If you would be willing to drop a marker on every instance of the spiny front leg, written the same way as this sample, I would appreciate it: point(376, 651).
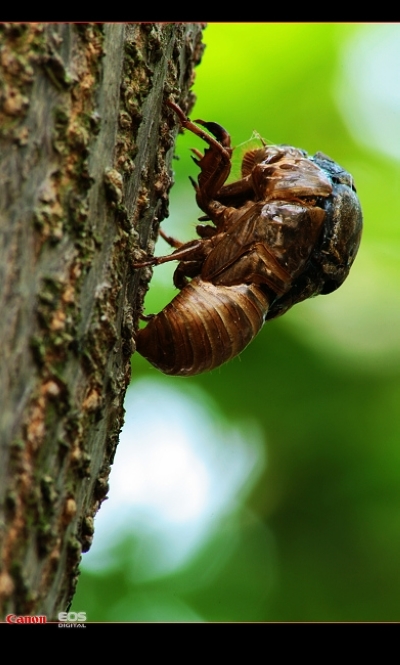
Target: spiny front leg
point(215, 164)
point(223, 142)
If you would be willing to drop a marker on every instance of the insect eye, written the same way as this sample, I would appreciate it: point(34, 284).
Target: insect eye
point(344, 178)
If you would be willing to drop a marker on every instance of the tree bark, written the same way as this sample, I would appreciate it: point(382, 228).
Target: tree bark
point(86, 143)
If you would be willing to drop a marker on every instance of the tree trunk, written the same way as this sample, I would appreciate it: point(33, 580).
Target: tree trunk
point(86, 145)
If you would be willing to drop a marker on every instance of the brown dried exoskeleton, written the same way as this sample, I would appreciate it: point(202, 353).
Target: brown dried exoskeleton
point(287, 230)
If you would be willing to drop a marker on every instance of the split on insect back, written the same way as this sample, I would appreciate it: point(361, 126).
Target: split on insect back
point(288, 229)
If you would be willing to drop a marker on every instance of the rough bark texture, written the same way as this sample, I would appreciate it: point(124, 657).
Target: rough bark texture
point(86, 143)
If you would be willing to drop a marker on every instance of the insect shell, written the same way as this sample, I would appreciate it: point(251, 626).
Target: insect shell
point(287, 230)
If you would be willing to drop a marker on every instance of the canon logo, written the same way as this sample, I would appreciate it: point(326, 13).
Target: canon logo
point(14, 618)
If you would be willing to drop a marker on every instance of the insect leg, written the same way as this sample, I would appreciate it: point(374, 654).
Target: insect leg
point(193, 250)
point(206, 231)
point(186, 269)
point(222, 145)
point(170, 240)
point(218, 131)
point(215, 164)
point(198, 154)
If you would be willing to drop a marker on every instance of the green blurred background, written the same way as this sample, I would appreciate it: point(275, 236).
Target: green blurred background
point(269, 489)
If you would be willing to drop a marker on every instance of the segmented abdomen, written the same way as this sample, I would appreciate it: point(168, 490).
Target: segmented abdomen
point(203, 327)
